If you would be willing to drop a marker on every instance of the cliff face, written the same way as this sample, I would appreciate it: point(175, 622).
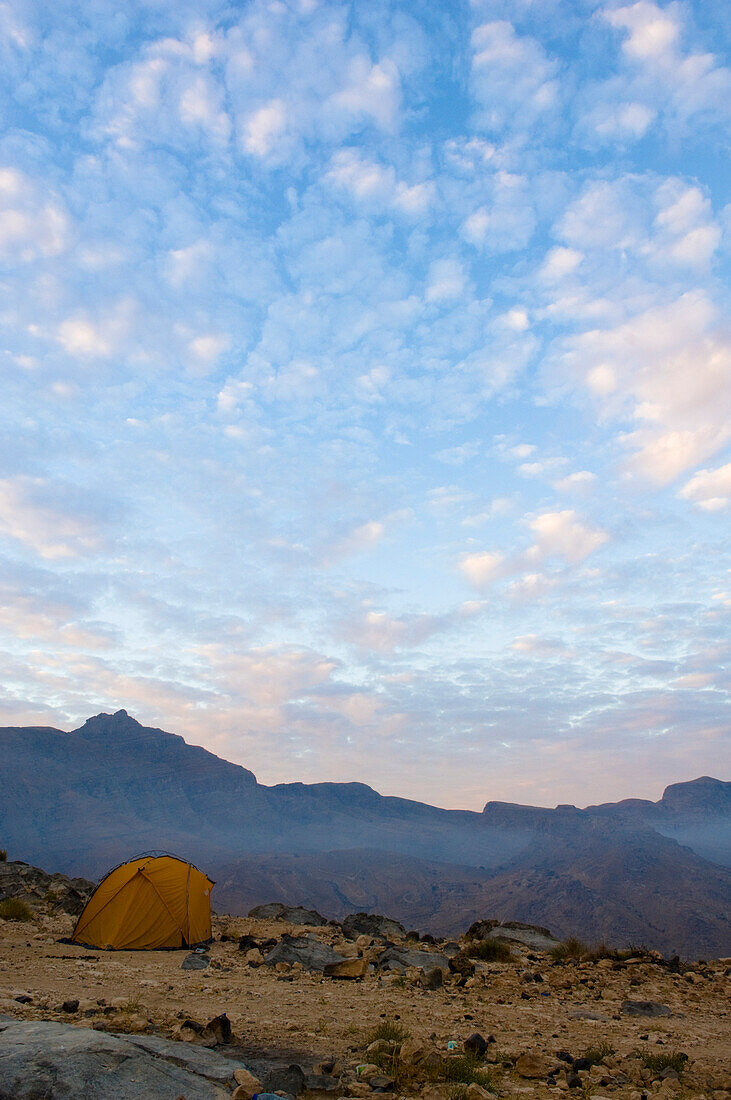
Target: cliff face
point(633, 870)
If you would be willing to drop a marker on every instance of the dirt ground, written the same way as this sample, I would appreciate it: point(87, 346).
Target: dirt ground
point(289, 1015)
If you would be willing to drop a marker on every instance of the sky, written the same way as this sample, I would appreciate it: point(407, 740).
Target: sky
point(366, 386)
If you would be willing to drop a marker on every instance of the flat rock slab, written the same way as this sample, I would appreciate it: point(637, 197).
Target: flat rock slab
point(199, 1060)
point(308, 950)
point(645, 1008)
point(55, 1061)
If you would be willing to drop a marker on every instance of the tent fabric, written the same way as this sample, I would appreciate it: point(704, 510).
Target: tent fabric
point(149, 903)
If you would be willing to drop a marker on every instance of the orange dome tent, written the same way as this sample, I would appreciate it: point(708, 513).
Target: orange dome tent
point(152, 902)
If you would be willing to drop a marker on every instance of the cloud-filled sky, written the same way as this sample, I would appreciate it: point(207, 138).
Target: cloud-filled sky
point(366, 382)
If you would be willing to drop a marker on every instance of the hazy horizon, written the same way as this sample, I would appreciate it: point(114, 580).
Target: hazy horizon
point(367, 387)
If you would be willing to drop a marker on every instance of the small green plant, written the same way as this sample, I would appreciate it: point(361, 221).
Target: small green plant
point(597, 1054)
point(390, 1030)
point(656, 1063)
point(491, 951)
point(131, 1007)
point(464, 1069)
point(15, 909)
point(3, 855)
point(571, 949)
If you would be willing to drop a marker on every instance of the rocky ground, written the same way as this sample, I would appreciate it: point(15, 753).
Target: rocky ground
point(311, 1010)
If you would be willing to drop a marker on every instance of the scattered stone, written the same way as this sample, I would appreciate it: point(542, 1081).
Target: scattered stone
point(475, 1044)
point(382, 1083)
point(70, 1006)
point(248, 1084)
point(644, 1008)
point(533, 1065)
point(217, 1031)
point(462, 964)
point(432, 979)
point(195, 961)
point(476, 1092)
point(289, 1079)
point(23, 999)
point(254, 957)
point(293, 914)
point(347, 968)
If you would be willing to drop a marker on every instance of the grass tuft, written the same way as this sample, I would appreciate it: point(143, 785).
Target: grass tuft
point(597, 1054)
point(3, 855)
point(464, 1069)
point(15, 909)
point(389, 1030)
point(656, 1063)
point(491, 951)
point(570, 949)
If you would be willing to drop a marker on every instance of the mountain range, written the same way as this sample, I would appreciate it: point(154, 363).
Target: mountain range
point(650, 873)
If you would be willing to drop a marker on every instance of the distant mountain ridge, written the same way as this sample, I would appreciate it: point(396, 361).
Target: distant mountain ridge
point(84, 800)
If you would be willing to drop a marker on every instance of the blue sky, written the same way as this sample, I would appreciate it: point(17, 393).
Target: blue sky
point(366, 386)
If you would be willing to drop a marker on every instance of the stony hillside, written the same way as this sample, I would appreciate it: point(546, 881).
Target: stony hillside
point(355, 1010)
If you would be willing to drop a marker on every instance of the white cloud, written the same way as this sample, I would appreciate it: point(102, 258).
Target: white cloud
point(508, 220)
point(371, 90)
point(580, 481)
point(263, 129)
point(668, 368)
point(512, 79)
point(33, 224)
point(483, 567)
point(709, 489)
point(446, 281)
point(31, 514)
point(376, 184)
point(564, 535)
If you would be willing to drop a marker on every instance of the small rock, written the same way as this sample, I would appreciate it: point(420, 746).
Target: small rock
point(368, 1070)
point(432, 979)
point(644, 1008)
point(533, 1065)
point(70, 1006)
point(382, 1083)
point(254, 957)
point(475, 1044)
point(380, 1046)
point(195, 961)
point(218, 1029)
point(248, 1084)
point(462, 964)
point(476, 1092)
point(347, 968)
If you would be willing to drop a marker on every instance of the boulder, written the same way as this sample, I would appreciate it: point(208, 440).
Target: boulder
point(533, 936)
point(371, 924)
point(398, 958)
point(311, 952)
point(533, 1065)
point(644, 1008)
point(293, 914)
point(55, 1061)
point(348, 968)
